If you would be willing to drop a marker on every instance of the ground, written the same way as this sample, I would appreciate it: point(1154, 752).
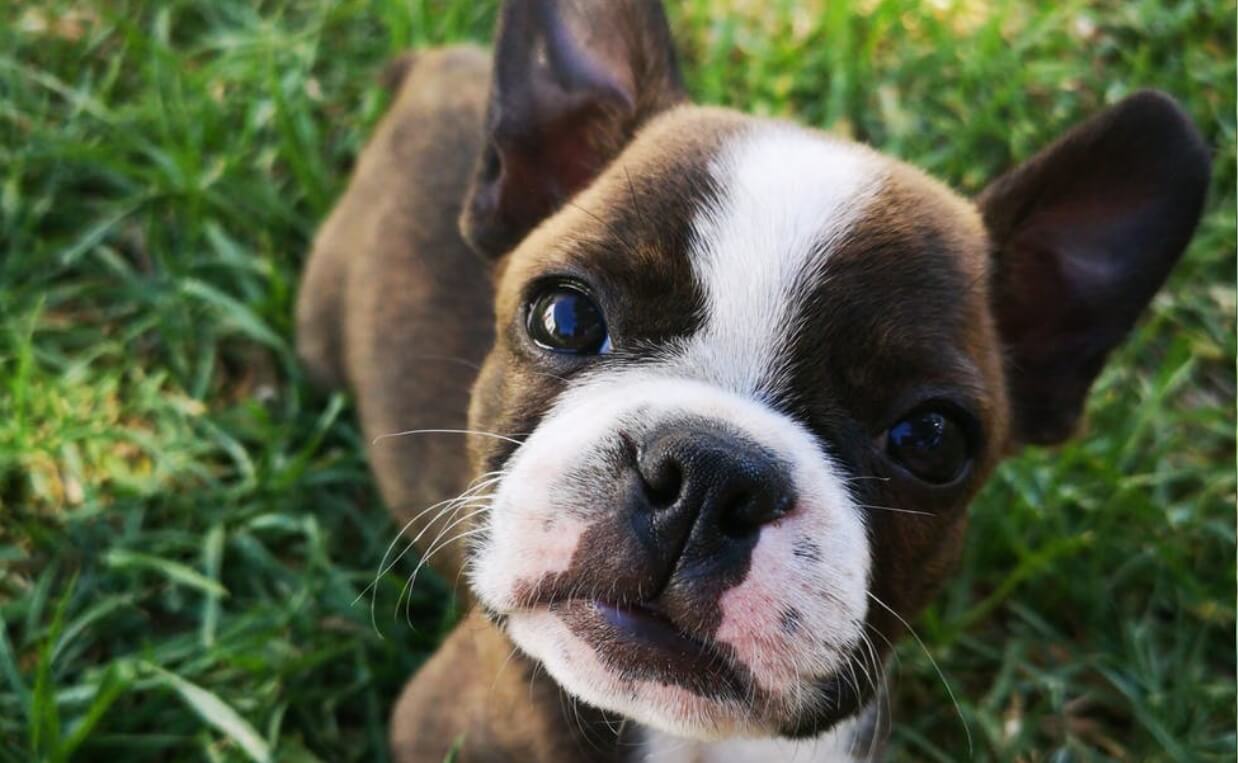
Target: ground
point(188, 530)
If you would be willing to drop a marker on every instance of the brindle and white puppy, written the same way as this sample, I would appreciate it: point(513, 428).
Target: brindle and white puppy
point(746, 378)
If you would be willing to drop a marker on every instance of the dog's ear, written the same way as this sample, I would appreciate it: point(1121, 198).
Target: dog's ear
point(1085, 233)
point(573, 80)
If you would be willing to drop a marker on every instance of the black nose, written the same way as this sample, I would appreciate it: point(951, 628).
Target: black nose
point(712, 483)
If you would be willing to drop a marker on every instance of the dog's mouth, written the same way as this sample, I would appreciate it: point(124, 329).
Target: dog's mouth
point(646, 625)
point(647, 629)
point(641, 642)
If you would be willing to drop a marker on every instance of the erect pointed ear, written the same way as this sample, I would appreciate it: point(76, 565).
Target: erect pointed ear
point(573, 80)
point(1085, 233)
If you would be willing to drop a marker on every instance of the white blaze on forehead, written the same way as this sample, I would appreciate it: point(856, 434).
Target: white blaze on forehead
point(787, 199)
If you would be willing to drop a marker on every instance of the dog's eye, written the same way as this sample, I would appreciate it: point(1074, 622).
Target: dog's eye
point(930, 444)
point(564, 319)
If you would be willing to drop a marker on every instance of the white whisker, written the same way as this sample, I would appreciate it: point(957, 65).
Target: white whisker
point(408, 432)
point(438, 545)
point(448, 507)
point(957, 708)
point(384, 568)
point(896, 510)
point(412, 580)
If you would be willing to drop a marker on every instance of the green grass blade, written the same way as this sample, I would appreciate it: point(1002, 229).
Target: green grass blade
point(218, 714)
point(175, 572)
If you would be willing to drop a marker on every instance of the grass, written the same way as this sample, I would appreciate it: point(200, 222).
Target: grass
point(185, 524)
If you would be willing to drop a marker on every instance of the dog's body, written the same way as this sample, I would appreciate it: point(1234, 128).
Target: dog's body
point(745, 380)
point(394, 304)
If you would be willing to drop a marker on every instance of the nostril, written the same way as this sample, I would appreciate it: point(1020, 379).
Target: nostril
point(663, 483)
point(712, 479)
point(735, 515)
point(745, 511)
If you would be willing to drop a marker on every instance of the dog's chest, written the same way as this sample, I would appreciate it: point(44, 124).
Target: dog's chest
point(840, 745)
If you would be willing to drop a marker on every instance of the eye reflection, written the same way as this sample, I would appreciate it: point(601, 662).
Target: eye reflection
point(564, 319)
point(930, 444)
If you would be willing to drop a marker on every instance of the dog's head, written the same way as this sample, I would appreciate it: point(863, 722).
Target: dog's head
point(753, 374)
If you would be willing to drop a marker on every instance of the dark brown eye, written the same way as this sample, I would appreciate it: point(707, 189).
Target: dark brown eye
point(930, 444)
point(564, 319)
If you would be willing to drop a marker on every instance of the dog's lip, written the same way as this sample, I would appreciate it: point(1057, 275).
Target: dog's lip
point(644, 623)
point(640, 621)
point(637, 640)
point(637, 621)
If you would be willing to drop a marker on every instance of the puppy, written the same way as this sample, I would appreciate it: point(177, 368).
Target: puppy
point(732, 382)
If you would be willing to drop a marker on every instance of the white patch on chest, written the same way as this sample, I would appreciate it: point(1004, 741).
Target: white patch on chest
point(787, 199)
point(838, 745)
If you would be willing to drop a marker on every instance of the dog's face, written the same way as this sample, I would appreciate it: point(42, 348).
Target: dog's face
point(760, 382)
point(753, 375)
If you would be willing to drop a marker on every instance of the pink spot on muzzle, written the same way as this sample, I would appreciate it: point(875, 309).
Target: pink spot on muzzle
point(752, 610)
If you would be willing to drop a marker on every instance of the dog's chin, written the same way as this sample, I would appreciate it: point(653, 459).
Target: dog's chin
point(633, 663)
